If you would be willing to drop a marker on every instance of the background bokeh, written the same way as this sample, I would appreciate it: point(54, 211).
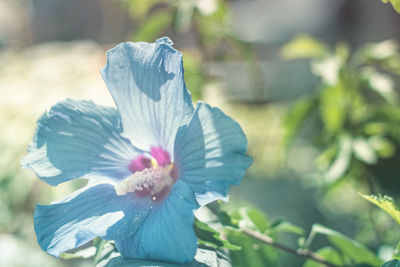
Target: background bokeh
point(53, 49)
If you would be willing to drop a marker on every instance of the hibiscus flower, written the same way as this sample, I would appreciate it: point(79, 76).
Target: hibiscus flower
point(150, 163)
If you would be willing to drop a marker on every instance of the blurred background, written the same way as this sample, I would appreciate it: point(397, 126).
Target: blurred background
point(313, 83)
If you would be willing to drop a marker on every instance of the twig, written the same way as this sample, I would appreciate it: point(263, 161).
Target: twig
point(298, 252)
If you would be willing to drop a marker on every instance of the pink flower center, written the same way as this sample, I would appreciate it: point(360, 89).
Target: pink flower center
point(151, 177)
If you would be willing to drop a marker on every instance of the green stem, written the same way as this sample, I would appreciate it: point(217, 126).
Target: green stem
point(298, 252)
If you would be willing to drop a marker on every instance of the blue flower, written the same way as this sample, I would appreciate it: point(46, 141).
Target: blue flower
point(150, 163)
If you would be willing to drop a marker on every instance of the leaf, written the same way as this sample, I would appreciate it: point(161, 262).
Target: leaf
point(384, 54)
point(104, 250)
point(226, 219)
point(329, 254)
point(303, 46)
point(391, 263)
point(380, 51)
point(253, 253)
point(82, 253)
point(259, 220)
point(207, 236)
point(383, 85)
point(382, 146)
point(386, 203)
point(395, 4)
point(281, 225)
point(342, 162)
point(333, 108)
point(328, 69)
point(356, 252)
point(363, 151)
point(296, 118)
point(396, 252)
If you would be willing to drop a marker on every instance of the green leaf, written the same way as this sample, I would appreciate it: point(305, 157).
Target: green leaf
point(328, 69)
point(296, 118)
point(382, 146)
point(259, 220)
point(283, 226)
point(342, 162)
point(386, 203)
point(253, 253)
point(391, 263)
point(380, 51)
point(329, 254)
point(353, 251)
point(381, 84)
point(303, 46)
point(396, 252)
point(363, 151)
point(226, 219)
point(209, 237)
point(99, 244)
point(82, 253)
point(333, 108)
point(395, 4)
point(384, 54)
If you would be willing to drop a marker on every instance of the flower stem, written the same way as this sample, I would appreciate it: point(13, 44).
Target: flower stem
point(299, 252)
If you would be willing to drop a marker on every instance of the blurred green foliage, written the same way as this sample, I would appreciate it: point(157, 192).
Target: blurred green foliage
point(354, 122)
point(354, 110)
point(207, 22)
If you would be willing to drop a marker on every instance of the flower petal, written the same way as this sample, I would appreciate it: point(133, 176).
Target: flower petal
point(79, 139)
point(96, 211)
point(146, 82)
point(167, 234)
point(210, 153)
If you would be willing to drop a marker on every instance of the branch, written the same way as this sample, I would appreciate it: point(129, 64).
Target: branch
point(298, 252)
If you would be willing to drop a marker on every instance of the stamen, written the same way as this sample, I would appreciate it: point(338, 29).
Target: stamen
point(155, 182)
point(138, 181)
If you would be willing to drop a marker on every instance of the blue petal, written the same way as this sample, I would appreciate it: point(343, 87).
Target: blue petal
point(96, 211)
point(146, 82)
point(210, 153)
point(167, 234)
point(79, 139)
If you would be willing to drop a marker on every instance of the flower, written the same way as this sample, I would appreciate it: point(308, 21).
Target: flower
point(150, 163)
